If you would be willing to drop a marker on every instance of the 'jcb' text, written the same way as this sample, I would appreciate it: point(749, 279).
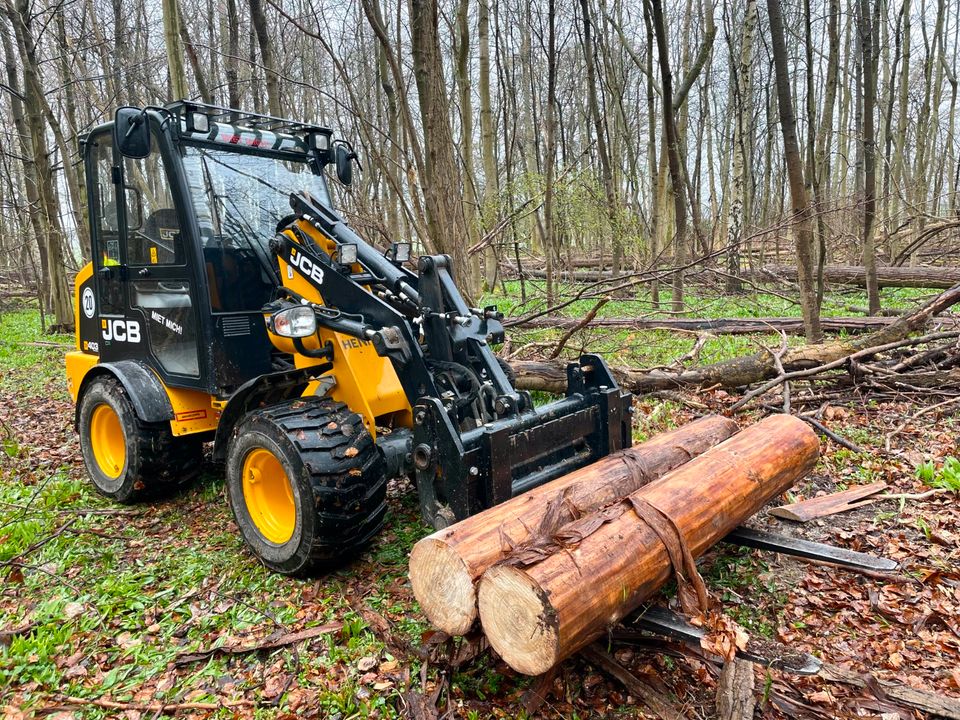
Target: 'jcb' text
point(121, 330)
point(306, 266)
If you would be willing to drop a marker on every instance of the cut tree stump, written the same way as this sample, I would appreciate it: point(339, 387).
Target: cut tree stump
point(445, 566)
point(831, 504)
point(540, 604)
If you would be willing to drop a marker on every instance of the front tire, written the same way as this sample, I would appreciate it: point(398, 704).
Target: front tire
point(128, 459)
point(306, 484)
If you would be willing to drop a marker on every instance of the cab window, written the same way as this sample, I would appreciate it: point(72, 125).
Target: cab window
point(153, 227)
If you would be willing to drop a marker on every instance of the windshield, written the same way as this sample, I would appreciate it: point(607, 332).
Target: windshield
point(239, 198)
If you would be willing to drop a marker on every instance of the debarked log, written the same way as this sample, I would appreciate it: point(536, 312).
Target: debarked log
point(541, 604)
point(445, 566)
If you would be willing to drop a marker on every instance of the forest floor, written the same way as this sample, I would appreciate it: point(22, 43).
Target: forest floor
point(109, 611)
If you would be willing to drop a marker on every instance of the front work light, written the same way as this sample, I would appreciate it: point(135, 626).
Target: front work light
point(198, 123)
point(299, 321)
point(398, 253)
point(347, 253)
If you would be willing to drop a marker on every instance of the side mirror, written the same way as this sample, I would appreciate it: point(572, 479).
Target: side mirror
point(344, 158)
point(131, 132)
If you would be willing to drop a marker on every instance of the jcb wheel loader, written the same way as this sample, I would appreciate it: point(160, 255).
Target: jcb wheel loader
point(228, 301)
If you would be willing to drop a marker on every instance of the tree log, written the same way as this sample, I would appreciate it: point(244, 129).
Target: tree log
point(853, 275)
point(537, 609)
point(904, 277)
point(720, 326)
point(445, 566)
point(740, 371)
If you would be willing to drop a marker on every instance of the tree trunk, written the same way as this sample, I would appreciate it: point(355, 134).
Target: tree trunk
point(867, 23)
point(673, 154)
point(800, 203)
point(741, 101)
point(550, 599)
point(259, 22)
point(491, 187)
point(445, 566)
point(51, 238)
point(441, 181)
point(171, 36)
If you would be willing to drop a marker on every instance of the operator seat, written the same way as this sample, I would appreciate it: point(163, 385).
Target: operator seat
point(162, 231)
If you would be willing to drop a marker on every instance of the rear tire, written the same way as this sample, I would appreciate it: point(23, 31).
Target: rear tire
point(306, 484)
point(128, 459)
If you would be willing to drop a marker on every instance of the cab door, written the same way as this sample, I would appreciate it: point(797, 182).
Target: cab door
point(143, 268)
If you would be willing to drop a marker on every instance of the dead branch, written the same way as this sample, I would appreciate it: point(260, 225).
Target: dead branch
point(747, 370)
point(587, 319)
point(719, 326)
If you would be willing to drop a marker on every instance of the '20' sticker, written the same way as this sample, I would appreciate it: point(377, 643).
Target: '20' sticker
point(88, 302)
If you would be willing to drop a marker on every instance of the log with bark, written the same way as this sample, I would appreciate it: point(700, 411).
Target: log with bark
point(719, 326)
point(745, 370)
point(853, 275)
point(445, 566)
point(552, 597)
point(903, 277)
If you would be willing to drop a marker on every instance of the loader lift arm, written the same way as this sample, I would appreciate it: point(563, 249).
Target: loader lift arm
point(466, 455)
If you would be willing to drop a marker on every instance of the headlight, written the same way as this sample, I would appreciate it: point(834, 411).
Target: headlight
point(294, 322)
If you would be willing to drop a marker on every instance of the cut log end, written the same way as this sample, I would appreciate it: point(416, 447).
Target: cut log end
point(524, 631)
point(443, 586)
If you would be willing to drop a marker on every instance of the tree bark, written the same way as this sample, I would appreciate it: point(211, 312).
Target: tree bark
point(742, 100)
point(445, 566)
point(441, 181)
point(171, 37)
point(259, 22)
point(549, 599)
point(867, 23)
point(800, 203)
point(673, 153)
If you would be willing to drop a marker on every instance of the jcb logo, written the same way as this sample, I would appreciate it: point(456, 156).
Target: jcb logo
point(121, 330)
point(306, 266)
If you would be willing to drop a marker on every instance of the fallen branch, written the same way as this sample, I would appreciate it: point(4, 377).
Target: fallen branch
point(271, 642)
point(719, 326)
point(595, 655)
point(587, 319)
point(747, 370)
point(905, 277)
point(923, 700)
point(150, 707)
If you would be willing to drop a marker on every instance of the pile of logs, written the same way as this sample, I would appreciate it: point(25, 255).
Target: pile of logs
point(550, 570)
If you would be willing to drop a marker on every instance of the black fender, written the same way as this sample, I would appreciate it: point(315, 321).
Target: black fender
point(146, 392)
point(259, 392)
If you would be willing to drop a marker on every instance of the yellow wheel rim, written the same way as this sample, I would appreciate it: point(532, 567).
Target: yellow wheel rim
point(108, 441)
point(268, 495)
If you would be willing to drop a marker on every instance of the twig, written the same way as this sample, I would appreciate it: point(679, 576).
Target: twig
point(843, 442)
point(595, 655)
point(913, 496)
point(152, 707)
point(917, 414)
point(16, 559)
point(579, 326)
point(271, 642)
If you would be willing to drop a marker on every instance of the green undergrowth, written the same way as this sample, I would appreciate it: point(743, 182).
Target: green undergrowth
point(661, 348)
